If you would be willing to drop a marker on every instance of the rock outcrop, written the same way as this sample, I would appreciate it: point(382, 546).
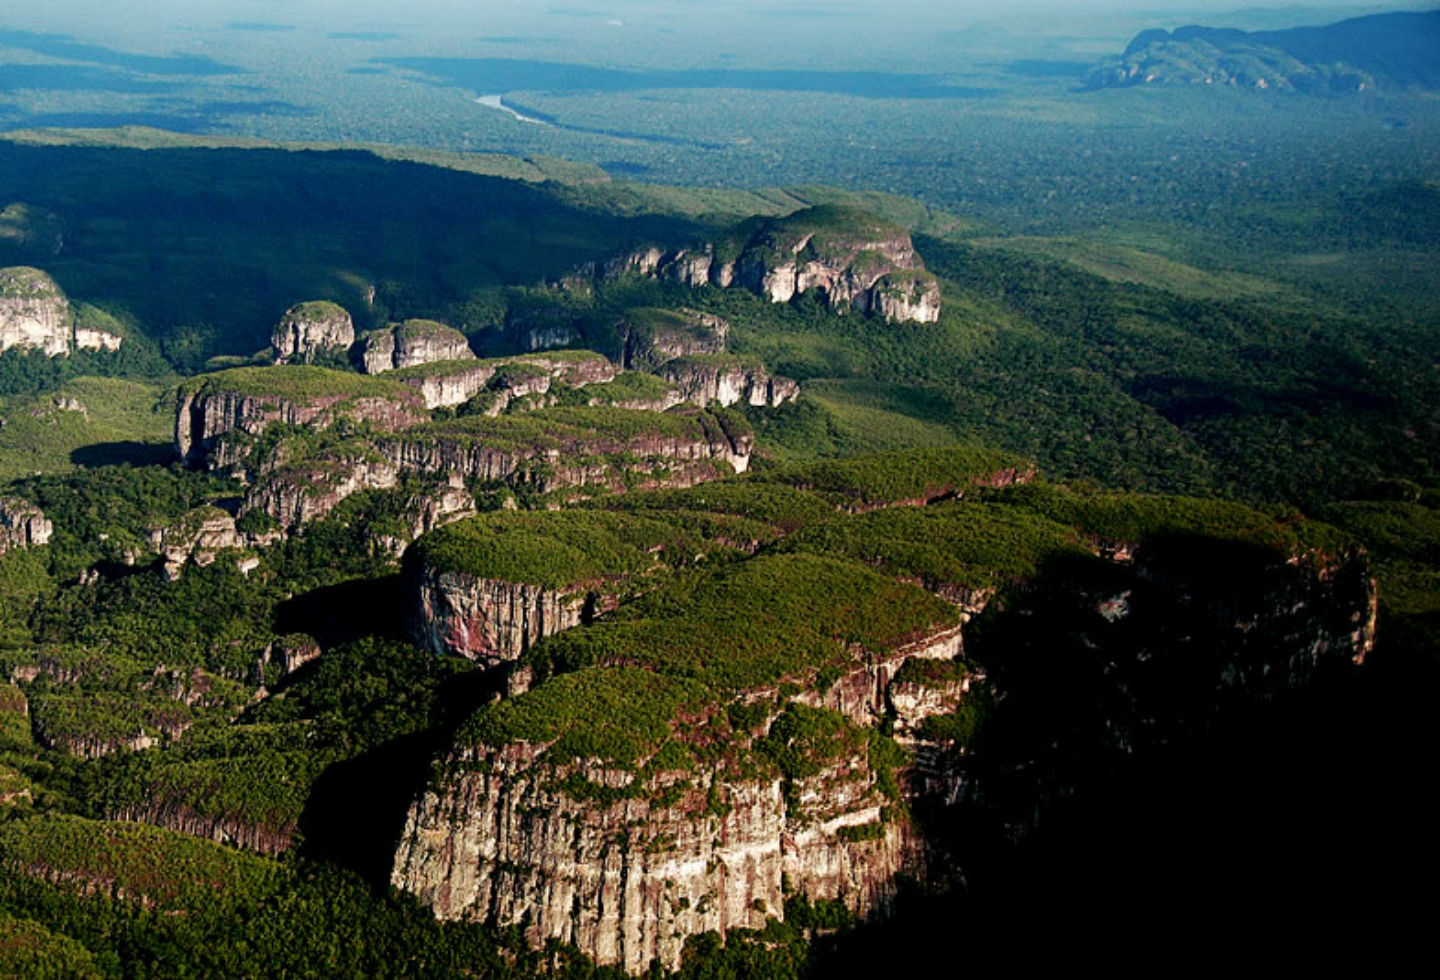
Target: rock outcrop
point(722, 379)
point(309, 489)
point(848, 257)
point(219, 416)
point(627, 882)
point(614, 449)
point(308, 329)
point(34, 313)
point(488, 620)
point(654, 336)
point(22, 525)
point(198, 537)
point(579, 811)
point(446, 384)
point(410, 343)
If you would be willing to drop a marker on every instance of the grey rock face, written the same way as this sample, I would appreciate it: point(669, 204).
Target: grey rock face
point(309, 328)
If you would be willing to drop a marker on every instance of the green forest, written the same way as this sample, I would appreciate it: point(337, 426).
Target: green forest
point(186, 791)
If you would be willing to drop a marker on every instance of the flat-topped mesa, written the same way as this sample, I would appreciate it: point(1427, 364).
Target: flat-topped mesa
point(410, 343)
point(609, 448)
point(219, 416)
point(851, 258)
point(34, 313)
point(654, 336)
point(307, 490)
point(672, 785)
point(489, 587)
point(726, 379)
point(309, 329)
point(22, 525)
point(446, 384)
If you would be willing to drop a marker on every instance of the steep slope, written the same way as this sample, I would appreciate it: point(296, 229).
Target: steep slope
point(1388, 51)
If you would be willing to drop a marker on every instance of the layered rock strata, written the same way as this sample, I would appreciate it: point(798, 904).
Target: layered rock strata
point(219, 416)
point(613, 448)
point(410, 343)
point(22, 525)
point(849, 258)
point(724, 380)
point(628, 882)
point(36, 315)
point(309, 329)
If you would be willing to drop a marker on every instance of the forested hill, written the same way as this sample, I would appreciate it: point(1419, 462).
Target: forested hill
point(1387, 51)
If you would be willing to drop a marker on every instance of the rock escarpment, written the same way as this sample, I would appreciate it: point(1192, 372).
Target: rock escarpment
point(849, 258)
point(22, 525)
point(220, 416)
point(552, 449)
point(654, 336)
point(502, 380)
point(34, 313)
point(309, 329)
point(599, 827)
point(1386, 51)
point(410, 343)
point(660, 769)
point(722, 379)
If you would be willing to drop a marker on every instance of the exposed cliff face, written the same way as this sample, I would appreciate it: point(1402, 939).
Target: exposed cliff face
point(197, 537)
point(223, 829)
point(310, 328)
point(722, 380)
point(34, 313)
point(654, 336)
point(571, 457)
point(850, 258)
point(218, 418)
point(410, 343)
point(487, 620)
point(678, 855)
point(308, 490)
point(22, 525)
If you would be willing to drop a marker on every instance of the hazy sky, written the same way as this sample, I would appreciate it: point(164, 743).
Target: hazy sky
point(916, 35)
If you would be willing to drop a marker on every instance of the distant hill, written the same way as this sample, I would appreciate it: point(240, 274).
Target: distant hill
point(1381, 51)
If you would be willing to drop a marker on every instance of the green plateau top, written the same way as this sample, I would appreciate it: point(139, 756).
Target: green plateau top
point(298, 383)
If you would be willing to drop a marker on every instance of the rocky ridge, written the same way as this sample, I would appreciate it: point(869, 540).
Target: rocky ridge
point(1392, 51)
point(848, 257)
point(36, 315)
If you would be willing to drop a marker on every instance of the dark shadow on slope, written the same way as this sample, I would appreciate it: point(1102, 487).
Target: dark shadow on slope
point(356, 811)
point(342, 613)
point(127, 451)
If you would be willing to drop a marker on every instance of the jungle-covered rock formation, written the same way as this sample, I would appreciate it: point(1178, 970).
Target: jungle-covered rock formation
point(36, 315)
point(702, 774)
point(410, 343)
point(307, 330)
point(22, 525)
point(848, 257)
point(220, 416)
